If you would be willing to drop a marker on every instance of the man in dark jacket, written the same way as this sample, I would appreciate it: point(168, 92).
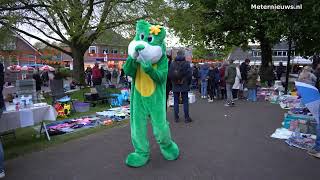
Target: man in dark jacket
point(180, 73)
point(280, 70)
point(244, 68)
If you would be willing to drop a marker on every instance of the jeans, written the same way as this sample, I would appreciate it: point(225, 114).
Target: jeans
point(185, 100)
point(204, 86)
point(317, 146)
point(252, 94)
point(229, 92)
point(1, 158)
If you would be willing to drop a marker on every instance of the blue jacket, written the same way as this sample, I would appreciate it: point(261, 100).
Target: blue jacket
point(204, 71)
point(187, 73)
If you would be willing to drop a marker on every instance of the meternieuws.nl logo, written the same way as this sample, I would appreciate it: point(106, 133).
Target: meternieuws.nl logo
point(275, 6)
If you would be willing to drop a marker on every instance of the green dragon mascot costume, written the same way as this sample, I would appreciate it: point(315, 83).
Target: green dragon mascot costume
point(147, 64)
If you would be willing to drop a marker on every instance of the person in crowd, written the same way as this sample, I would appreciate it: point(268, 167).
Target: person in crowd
point(115, 75)
point(244, 69)
point(102, 75)
point(307, 76)
point(279, 71)
point(37, 78)
point(108, 76)
point(252, 85)
point(212, 84)
point(2, 105)
point(102, 71)
point(230, 76)
point(88, 74)
point(169, 84)
point(204, 70)
point(237, 84)
point(180, 73)
point(96, 75)
point(122, 78)
point(222, 83)
point(195, 76)
point(45, 78)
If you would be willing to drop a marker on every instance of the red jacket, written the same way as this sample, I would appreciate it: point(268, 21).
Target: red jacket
point(96, 73)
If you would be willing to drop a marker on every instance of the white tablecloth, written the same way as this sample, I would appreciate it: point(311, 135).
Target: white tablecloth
point(11, 120)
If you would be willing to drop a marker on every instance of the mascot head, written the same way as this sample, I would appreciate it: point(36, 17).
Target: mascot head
point(148, 43)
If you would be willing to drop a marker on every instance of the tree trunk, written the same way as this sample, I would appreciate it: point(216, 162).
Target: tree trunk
point(78, 65)
point(266, 57)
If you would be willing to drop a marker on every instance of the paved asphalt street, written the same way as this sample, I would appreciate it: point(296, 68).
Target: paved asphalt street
point(222, 143)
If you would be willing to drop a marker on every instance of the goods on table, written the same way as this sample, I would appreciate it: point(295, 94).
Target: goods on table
point(81, 106)
point(107, 118)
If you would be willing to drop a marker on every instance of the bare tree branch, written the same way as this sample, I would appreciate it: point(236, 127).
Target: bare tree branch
point(37, 38)
point(44, 33)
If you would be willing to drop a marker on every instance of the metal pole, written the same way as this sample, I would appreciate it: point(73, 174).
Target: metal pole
point(288, 65)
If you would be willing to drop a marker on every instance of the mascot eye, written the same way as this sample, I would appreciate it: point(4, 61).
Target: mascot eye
point(141, 36)
point(150, 38)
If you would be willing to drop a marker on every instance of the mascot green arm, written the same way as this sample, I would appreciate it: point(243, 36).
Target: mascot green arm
point(159, 74)
point(130, 67)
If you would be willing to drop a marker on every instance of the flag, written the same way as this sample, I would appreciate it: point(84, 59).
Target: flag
point(310, 97)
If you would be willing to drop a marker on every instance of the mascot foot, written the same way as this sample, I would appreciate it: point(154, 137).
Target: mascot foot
point(136, 160)
point(170, 152)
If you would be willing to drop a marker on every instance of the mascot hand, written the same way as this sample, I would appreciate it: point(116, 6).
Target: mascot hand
point(146, 66)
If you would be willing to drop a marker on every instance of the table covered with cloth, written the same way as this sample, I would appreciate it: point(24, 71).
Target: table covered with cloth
point(11, 120)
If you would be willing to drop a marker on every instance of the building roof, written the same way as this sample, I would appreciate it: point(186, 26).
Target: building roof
point(111, 38)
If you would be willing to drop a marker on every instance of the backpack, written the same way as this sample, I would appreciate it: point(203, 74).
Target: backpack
point(231, 74)
point(177, 72)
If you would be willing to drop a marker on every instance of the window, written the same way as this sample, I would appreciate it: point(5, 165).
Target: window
point(284, 53)
point(105, 51)
point(114, 51)
point(92, 49)
point(274, 53)
point(256, 53)
point(279, 53)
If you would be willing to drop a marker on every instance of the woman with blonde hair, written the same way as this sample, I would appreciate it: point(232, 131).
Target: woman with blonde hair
point(306, 76)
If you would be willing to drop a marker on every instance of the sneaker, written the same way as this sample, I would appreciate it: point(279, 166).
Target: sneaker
point(232, 103)
point(314, 153)
point(210, 100)
point(188, 120)
point(2, 174)
point(227, 104)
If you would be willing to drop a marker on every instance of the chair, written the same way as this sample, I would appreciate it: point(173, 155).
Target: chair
point(57, 90)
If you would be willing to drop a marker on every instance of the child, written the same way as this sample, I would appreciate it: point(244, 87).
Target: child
point(252, 85)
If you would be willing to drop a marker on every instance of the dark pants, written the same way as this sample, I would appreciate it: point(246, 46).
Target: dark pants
point(2, 105)
point(212, 89)
point(235, 93)
point(96, 82)
point(176, 96)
